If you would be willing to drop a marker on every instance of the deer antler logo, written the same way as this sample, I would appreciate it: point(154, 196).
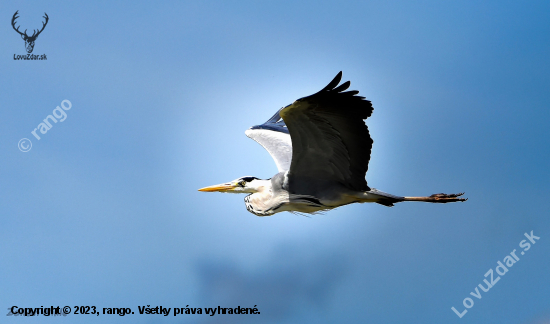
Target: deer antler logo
point(29, 40)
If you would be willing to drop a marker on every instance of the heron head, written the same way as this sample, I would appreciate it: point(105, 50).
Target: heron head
point(240, 185)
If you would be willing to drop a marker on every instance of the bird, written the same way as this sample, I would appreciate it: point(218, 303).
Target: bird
point(321, 147)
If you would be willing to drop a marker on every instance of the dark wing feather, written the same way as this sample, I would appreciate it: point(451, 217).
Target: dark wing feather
point(330, 141)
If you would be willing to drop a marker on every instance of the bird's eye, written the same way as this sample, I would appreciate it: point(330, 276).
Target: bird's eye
point(242, 183)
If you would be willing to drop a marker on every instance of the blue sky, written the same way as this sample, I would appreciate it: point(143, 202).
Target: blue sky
point(104, 209)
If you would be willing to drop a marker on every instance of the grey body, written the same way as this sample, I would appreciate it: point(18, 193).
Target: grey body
point(325, 195)
point(322, 148)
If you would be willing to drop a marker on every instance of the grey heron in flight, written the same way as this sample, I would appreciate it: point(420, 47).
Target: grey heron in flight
point(322, 148)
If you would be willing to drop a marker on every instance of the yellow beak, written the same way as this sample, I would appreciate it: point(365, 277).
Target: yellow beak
point(218, 187)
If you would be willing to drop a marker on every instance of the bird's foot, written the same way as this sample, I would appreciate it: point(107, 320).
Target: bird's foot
point(438, 198)
point(445, 198)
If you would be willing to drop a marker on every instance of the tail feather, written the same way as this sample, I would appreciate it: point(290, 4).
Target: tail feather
point(382, 198)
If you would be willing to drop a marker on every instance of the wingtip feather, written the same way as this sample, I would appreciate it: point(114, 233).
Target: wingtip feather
point(334, 82)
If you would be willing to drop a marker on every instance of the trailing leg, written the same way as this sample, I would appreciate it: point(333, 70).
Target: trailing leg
point(438, 198)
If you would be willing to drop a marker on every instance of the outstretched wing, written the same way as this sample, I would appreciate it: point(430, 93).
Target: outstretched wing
point(274, 137)
point(330, 141)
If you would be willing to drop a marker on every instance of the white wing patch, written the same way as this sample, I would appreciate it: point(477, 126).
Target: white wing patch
point(279, 145)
